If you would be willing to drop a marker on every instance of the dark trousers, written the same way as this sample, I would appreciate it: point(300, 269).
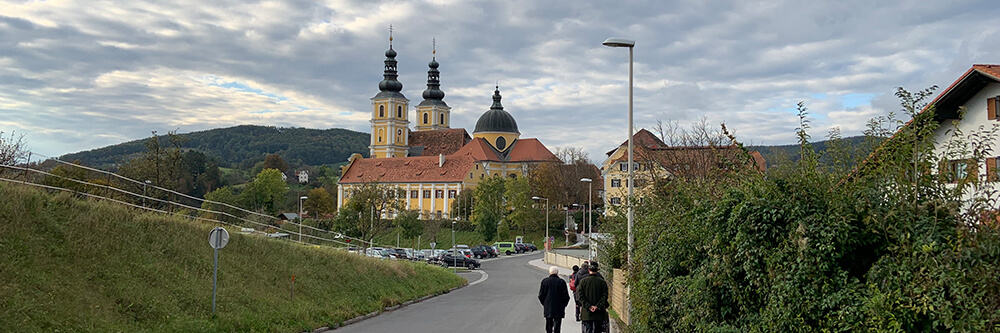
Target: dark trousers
point(577, 311)
point(595, 326)
point(552, 325)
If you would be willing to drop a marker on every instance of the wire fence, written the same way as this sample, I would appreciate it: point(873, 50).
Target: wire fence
point(111, 187)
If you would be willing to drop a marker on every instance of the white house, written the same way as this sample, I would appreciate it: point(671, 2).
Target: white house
point(303, 176)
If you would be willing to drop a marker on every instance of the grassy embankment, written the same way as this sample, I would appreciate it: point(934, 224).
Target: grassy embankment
point(74, 265)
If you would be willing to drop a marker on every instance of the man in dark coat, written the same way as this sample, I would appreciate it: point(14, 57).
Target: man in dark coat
point(554, 298)
point(577, 276)
point(592, 293)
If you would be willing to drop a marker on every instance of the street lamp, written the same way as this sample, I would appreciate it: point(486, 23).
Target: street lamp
point(300, 216)
point(147, 182)
point(590, 210)
point(566, 226)
point(630, 44)
point(546, 220)
point(454, 255)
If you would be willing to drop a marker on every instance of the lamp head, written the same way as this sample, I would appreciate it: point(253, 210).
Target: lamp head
point(536, 198)
point(303, 197)
point(618, 42)
point(586, 180)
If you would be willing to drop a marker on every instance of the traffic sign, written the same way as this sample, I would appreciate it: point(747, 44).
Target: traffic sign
point(218, 238)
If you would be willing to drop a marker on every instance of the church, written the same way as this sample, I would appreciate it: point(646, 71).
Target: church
point(433, 163)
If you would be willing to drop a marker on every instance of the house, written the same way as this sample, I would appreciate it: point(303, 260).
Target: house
point(303, 176)
point(652, 159)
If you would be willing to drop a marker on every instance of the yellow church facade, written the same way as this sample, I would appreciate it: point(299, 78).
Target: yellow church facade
point(435, 163)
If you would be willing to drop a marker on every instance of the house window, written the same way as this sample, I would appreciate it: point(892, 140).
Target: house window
point(513, 176)
point(960, 170)
point(427, 194)
point(414, 194)
point(616, 201)
point(991, 168)
point(399, 112)
point(381, 111)
point(438, 214)
point(452, 193)
point(438, 194)
point(624, 166)
point(615, 182)
point(470, 175)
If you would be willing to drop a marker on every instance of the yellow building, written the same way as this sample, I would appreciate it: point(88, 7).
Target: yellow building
point(435, 163)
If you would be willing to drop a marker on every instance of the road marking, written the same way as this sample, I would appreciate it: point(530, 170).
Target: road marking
point(483, 277)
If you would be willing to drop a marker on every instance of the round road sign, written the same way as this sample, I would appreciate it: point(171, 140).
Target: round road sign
point(218, 238)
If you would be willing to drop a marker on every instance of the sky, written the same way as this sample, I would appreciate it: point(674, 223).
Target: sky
point(79, 75)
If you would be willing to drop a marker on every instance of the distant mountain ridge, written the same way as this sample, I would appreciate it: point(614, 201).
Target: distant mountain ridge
point(239, 145)
point(856, 146)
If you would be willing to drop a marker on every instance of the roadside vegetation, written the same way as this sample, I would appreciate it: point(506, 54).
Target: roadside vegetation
point(823, 247)
point(73, 265)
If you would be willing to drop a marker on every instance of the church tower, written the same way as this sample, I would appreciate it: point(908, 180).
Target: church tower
point(390, 126)
point(433, 113)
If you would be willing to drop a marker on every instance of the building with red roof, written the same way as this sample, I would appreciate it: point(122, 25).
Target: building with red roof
point(434, 163)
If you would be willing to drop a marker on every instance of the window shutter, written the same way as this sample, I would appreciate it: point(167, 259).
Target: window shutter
point(991, 166)
point(991, 108)
point(972, 170)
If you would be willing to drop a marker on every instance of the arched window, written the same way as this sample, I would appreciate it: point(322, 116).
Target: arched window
point(513, 176)
point(379, 135)
point(381, 111)
point(399, 112)
point(425, 118)
point(442, 119)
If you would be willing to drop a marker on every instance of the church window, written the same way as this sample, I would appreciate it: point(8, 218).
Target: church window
point(380, 135)
point(470, 175)
point(425, 117)
point(501, 143)
point(513, 176)
point(399, 112)
point(451, 194)
point(442, 119)
point(438, 194)
point(381, 111)
point(427, 194)
point(414, 194)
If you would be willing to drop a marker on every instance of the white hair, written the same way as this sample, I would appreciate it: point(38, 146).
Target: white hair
point(553, 270)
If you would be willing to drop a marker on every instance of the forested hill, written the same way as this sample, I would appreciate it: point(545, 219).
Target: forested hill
point(852, 148)
point(246, 144)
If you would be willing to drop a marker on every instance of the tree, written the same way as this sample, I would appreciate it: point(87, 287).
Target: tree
point(274, 161)
point(265, 192)
point(11, 148)
point(319, 203)
point(572, 155)
point(461, 207)
point(524, 214)
point(488, 208)
point(222, 195)
point(409, 224)
point(67, 177)
point(361, 216)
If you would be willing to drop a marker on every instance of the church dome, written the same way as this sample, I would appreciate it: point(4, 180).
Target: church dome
point(496, 119)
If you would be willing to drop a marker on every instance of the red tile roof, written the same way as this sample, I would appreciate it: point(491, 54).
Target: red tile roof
point(442, 141)
point(419, 169)
point(479, 150)
point(643, 138)
point(530, 150)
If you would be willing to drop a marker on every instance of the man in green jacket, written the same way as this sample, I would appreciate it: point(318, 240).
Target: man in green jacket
point(592, 292)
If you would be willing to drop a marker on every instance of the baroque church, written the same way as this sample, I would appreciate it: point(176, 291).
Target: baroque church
point(433, 163)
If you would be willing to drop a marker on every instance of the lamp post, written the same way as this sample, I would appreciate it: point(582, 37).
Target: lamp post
point(630, 44)
point(566, 226)
point(590, 218)
point(300, 216)
point(147, 182)
point(546, 220)
point(454, 255)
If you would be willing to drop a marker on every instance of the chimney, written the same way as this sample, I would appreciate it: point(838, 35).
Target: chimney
point(440, 160)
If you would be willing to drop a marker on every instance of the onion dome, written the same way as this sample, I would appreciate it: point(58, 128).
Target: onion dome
point(390, 87)
point(496, 119)
point(433, 95)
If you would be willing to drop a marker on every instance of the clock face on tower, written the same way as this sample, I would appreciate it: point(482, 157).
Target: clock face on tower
point(399, 132)
point(501, 143)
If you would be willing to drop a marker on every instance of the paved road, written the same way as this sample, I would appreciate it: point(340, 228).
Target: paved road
point(505, 302)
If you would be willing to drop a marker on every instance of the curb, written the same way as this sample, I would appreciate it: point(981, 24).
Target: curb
point(327, 329)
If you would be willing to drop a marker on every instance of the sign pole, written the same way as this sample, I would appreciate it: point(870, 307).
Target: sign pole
point(215, 275)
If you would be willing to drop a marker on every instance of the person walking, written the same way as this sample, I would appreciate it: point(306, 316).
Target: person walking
point(554, 298)
point(592, 293)
point(577, 275)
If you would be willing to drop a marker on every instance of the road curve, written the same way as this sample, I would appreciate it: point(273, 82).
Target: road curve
point(506, 301)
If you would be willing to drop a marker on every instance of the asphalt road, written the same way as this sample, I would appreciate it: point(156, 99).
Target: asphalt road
point(507, 301)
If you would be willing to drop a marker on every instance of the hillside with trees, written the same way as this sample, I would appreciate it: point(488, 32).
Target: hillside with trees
point(243, 146)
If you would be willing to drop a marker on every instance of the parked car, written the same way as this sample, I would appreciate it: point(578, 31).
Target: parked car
point(506, 247)
point(521, 248)
point(496, 251)
point(480, 252)
point(531, 247)
point(448, 260)
point(392, 254)
point(378, 254)
point(401, 254)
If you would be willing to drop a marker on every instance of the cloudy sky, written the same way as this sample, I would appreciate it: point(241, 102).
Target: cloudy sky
point(78, 75)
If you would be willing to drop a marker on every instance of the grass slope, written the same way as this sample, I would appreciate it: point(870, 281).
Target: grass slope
point(74, 265)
